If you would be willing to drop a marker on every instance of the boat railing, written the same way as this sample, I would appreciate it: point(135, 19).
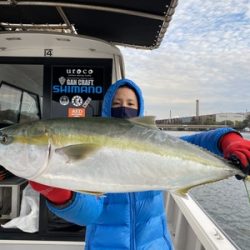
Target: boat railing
point(191, 227)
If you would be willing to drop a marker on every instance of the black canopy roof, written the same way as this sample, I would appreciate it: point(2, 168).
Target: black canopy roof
point(138, 23)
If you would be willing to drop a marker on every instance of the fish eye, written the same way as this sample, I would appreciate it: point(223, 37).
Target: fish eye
point(4, 139)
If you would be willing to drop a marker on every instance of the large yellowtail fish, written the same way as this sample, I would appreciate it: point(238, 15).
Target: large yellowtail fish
point(100, 155)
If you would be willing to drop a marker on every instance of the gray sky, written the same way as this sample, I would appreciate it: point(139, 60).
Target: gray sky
point(205, 55)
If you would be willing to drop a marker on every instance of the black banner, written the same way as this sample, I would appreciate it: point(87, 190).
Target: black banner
point(74, 84)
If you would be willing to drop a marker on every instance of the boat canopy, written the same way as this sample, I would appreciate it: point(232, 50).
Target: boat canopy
point(136, 23)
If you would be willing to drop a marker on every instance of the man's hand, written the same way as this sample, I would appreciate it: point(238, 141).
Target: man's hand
point(236, 149)
point(57, 196)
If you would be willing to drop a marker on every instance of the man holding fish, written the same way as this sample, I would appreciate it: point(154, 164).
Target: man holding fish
point(122, 218)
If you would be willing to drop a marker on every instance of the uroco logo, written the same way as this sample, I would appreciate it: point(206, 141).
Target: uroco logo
point(80, 71)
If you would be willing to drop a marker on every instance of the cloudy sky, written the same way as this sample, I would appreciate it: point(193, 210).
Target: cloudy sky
point(205, 55)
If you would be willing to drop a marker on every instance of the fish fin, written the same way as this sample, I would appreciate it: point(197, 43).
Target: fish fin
point(78, 151)
point(182, 192)
point(98, 194)
point(148, 121)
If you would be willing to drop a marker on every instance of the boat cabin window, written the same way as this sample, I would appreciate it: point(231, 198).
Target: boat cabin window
point(29, 108)
point(17, 105)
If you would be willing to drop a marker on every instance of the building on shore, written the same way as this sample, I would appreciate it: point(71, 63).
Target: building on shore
point(224, 118)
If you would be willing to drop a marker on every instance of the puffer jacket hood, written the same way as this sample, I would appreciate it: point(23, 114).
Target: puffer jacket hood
point(108, 98)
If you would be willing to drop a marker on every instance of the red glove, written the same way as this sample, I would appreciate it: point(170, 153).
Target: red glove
point(236, 149)
point(57, 196)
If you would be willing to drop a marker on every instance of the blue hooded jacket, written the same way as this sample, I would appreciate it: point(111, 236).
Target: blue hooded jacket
point(128, 221)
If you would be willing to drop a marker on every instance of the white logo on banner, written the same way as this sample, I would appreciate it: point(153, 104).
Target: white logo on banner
point(77, 100)
point(64, 100)
point(62, 80)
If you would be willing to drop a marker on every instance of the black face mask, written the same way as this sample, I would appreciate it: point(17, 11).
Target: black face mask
point(124, 112)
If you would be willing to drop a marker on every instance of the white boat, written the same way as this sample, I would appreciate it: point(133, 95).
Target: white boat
point(50, 44)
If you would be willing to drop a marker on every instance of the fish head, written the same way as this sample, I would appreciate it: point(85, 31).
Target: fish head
point(24, 149)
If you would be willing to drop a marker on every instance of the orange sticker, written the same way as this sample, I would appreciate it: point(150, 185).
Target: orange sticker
point(76, 112)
